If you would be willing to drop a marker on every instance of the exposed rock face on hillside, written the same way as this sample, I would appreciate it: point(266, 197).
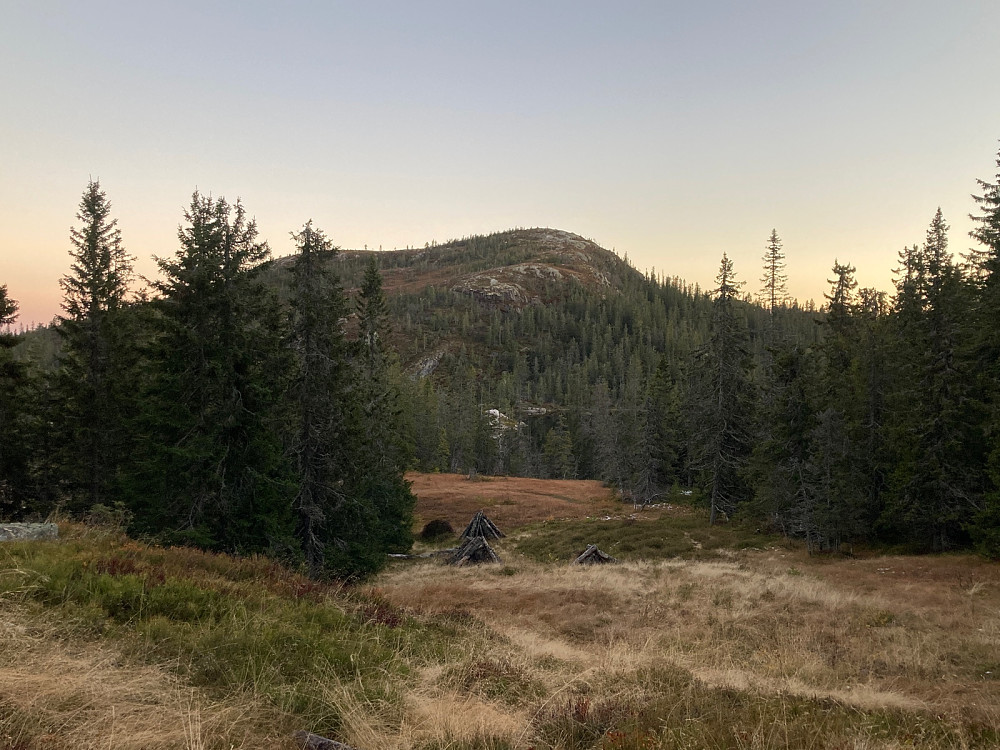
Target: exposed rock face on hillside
point(531, 266)
point(561, 257)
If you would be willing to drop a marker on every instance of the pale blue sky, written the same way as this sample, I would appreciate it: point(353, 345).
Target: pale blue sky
point(670, 131)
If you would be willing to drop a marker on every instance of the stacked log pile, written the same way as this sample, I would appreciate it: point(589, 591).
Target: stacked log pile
point(482, 526)
point(474, 551)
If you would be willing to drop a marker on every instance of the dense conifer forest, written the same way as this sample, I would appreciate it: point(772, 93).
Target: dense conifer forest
point(252, 404)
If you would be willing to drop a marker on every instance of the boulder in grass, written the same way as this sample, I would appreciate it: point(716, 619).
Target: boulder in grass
point(10, 532)
point(474, 551)
point(593, 556)
point(482, 526)
point(310, 741)
point(436, 529)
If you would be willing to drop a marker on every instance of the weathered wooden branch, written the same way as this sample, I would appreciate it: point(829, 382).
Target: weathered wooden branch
point(424, 555)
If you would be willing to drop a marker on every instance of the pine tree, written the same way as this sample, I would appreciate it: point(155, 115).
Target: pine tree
point(96, 375)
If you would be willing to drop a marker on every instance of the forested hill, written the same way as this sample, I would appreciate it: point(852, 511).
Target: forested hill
point(528, 352)
point(532, 351)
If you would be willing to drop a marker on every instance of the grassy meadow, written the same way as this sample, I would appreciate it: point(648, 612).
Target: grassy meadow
point(700, 637)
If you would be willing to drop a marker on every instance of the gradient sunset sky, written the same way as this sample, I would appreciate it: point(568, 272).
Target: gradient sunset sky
point(669, 131)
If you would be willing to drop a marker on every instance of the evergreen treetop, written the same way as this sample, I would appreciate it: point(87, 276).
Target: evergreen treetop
point(774, 289)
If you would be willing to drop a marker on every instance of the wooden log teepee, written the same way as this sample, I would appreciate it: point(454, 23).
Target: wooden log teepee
point(482, 526)
point(593, 556)
point(473, 552)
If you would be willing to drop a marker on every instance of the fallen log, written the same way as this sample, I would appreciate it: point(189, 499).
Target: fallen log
point(424, 555)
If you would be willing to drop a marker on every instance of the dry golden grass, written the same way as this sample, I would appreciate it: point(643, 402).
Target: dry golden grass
point(754, 624)
point(743, 649)
point(68, 693)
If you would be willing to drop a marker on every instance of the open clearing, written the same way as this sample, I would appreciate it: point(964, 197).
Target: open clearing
point(511, 502)
point(701, 638)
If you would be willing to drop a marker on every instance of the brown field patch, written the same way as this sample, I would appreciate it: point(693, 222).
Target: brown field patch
point(510, 502)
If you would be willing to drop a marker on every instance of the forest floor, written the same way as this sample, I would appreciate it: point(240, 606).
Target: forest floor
point(702, 637)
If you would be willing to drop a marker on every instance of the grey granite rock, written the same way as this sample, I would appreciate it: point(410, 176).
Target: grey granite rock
point(21, 531)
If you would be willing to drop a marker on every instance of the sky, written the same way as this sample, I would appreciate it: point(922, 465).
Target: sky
point(668, 131)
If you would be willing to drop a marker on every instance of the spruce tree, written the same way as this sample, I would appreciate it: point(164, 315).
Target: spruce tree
point(558, 452)
point(872, 377)
point(936, 475)
point(321, 389)
point(984, 262)
point(212, 470)
point(665, 429)
point(774, 289)
point(722, 409)
point(383, 456)
point(8, 309)
point(830, 510)
point(96, 376)
point(15, 438)
point(985, 270)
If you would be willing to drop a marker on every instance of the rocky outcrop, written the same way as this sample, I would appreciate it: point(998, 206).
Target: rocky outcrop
point(28, 531)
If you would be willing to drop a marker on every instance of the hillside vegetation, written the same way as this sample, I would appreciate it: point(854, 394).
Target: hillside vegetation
point(722, 638)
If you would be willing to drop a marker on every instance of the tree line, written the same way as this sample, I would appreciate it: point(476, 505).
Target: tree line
point(250, 405)
point(204, 411)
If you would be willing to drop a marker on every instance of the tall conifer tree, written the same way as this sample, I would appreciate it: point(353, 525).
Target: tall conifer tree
point(384, 455)
point(774, 282)
point(723, 403)
point(15, 440)
point(94, 381)
point(212, 471)
point(935, 480)
point(321, 389)
point(985, 268)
